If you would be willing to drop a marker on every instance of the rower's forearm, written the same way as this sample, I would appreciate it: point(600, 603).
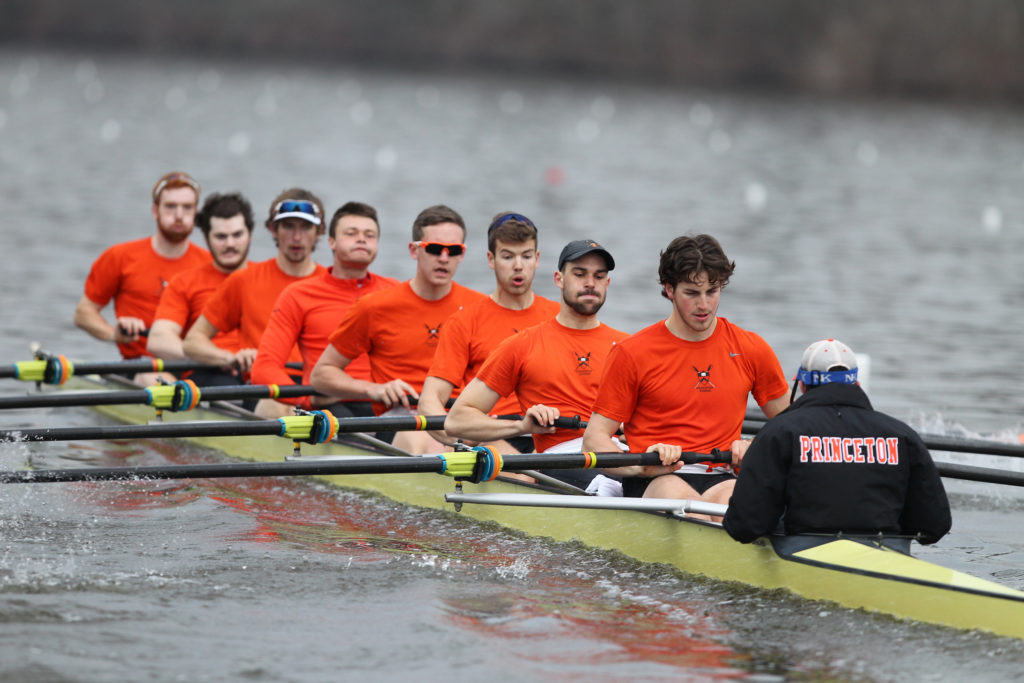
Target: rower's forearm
point(334, 382)
point(429, 404)
point(468, 423)
point(202, 349)
point(94, 323)
point(166, 346)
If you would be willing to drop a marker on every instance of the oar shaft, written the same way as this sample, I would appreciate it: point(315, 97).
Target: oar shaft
point(119, 366)
point(985, 474)
point(938, 443)
point(124, 366)
point(147, 431)
point(233, 428)
point(108, 398)
point(354, 465)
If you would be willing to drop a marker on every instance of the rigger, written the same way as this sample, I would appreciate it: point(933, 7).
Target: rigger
point(884, 451)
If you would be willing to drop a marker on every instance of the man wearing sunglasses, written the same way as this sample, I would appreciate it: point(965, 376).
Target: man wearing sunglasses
point(244, 300)
point(307, 312)
point(226, 222)
point(135, 273)
point(399, 328)
point(474, 332)
point(553, 368)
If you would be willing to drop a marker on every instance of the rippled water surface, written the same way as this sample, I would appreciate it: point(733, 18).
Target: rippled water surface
point(897, 227)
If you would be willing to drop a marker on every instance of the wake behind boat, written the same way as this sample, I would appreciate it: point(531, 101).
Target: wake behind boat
point(853, 572)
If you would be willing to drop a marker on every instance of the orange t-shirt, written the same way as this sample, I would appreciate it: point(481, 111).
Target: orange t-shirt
point(134, 276)
point(306, 313)
point(551, 364)
point(399, 331)
point(474, 332)
point(183, 299)
point(244, 300)
point(691, 394)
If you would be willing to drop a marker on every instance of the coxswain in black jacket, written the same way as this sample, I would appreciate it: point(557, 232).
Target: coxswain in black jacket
point(831, 463)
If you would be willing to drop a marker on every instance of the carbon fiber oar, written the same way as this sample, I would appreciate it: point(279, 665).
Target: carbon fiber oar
point(461, 465)
point(938, 443)
point(146, 396)
point(984, 474)
point(57, 369)
point(278, 427)
point(52, 369)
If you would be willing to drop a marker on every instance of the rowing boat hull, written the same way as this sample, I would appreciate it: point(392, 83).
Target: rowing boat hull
point(845, 572)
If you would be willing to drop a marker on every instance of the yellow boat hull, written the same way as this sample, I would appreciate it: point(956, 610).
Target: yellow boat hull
point(846, 572)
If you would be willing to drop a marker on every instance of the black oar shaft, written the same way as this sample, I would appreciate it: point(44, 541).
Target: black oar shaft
point(938, 443)
point(985, 474)
point(109, 398)
point(355, 465)
point(147, 431)
point(122, 366)
point(233, 428)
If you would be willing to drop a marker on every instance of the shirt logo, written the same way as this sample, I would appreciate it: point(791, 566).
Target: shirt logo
point(433, 334)
point(583, 362)
point(704, 382)
point(733, 355)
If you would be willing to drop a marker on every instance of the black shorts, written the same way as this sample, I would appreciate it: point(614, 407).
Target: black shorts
point(522, 443)
point(349, 409)
point(213, 378)
point(634, 487)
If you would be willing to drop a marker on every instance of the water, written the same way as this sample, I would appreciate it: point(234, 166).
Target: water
point(894, 226)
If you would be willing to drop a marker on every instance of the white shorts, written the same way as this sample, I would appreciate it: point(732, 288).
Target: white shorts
point(600, 484)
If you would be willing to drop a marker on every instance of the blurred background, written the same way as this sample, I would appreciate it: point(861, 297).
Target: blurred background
point(947, 48)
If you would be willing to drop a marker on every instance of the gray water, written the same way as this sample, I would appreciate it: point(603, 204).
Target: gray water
point(895, 226)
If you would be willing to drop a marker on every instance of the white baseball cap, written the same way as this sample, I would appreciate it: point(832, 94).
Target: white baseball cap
point(826, 361)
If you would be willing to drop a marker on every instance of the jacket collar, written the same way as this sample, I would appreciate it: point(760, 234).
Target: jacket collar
point(833, 395)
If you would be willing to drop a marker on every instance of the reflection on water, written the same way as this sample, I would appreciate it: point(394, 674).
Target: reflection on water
point(150, 560)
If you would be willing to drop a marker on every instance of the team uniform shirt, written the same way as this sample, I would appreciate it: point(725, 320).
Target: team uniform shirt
point(307, 312)
point(554, 365)
point(399, 331)
point(134, 276)
point(184, 297)
point(474, 332)
point(244, 300)
point(692, 394)
point(831, 463)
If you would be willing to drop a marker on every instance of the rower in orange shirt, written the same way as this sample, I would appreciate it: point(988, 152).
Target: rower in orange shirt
point(399, 328)
point(682, 384)
point(553, 367)
point(244, 300)
point(307, 312)
point(226, 221)
point(474, 332)
point(135, 273)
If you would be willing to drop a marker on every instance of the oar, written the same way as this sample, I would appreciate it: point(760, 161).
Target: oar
point(289, 427)
point(57, 369)
point(461, 465)
point(985, 474)
point(150, 396)
point(938, 443)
